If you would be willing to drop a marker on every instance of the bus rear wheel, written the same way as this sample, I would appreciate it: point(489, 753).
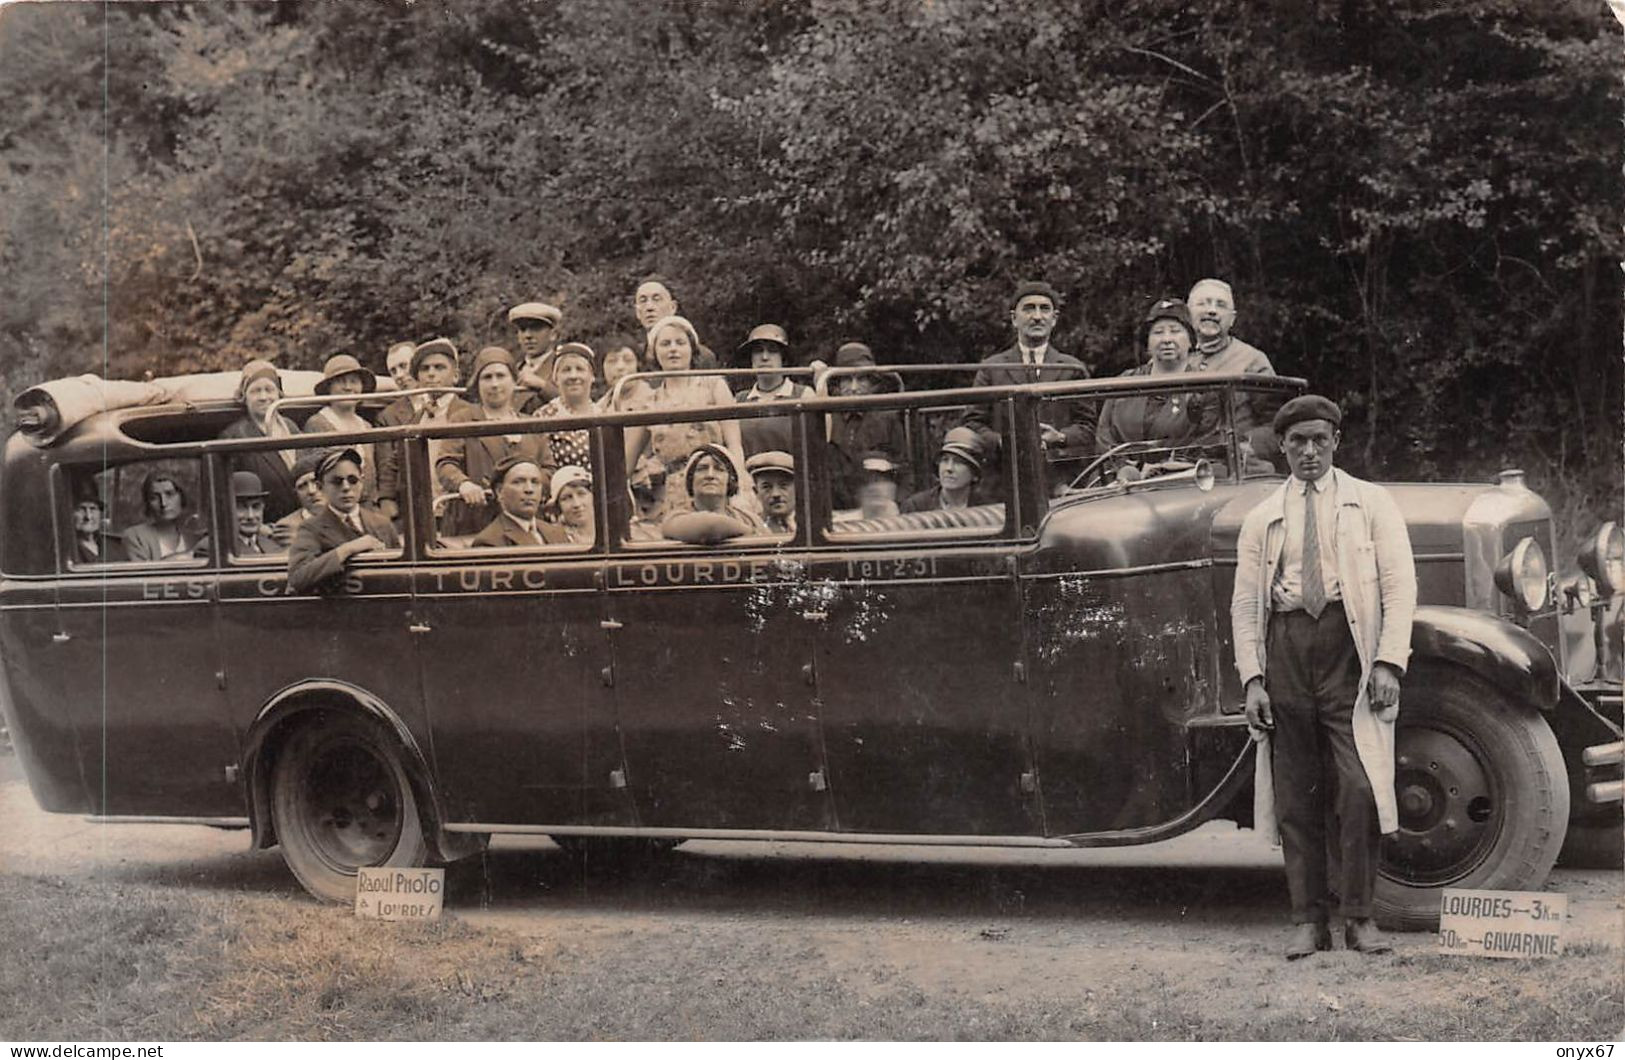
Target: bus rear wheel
point(341, 800)
point(1483, 798)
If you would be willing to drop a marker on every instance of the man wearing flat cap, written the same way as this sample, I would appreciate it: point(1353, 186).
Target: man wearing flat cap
point(324, 543)
point(433, 364)
point(773, 473)
point(1325, 590)
point(1067, 426)
point(535, 334)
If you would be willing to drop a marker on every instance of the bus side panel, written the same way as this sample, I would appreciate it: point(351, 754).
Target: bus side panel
point(47, 739)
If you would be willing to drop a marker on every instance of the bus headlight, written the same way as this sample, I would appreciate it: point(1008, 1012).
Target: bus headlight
point(1522, 575)
point(1602, 557)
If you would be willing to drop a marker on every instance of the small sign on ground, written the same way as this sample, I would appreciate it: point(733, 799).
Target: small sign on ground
point(400, 894)
point(1502, 923)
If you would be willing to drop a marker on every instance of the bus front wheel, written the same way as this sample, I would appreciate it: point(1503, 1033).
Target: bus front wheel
point(1483, 797)
point(341, 800)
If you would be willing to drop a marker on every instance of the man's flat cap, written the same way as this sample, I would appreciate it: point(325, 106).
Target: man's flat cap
point(1028, 288)
point(444, 347)
point(772, 460)
point(506, 465)
point(333, 457)
point(547, 314)
point(1307, 407)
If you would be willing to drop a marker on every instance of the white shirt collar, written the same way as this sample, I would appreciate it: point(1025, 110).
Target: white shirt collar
point(1032, 354)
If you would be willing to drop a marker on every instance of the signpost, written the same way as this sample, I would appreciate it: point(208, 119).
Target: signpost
point(399, 894)
point(1502, 923)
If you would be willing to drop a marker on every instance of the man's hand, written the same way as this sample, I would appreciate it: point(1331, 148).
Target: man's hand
point(1260, 719)
point(1384, 690)
point(1050, 435)
point(279, 533)
point(471, 492)
point(364, 543)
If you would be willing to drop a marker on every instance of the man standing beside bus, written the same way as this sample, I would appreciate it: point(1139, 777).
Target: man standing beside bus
point(1325, 590)
point(324, 543)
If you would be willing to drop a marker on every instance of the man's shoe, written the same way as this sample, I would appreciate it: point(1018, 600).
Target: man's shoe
point(1307, 939)
point(1364, 936)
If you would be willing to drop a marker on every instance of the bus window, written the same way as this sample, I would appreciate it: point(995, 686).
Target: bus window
point(924, 472)
point(148, 511)
point(521, 503)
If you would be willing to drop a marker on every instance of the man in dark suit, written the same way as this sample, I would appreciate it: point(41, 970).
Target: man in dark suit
point(433, 364)
point(324, 543)
point(253, 537)
point(1067, 426)
point(521, 488)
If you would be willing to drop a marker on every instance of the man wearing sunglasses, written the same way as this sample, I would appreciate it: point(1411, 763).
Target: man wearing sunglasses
point(323, 544)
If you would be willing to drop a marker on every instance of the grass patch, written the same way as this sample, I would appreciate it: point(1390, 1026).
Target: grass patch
point(88, 959)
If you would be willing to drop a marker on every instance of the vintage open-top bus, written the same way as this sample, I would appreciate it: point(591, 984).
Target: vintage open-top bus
point(1050, 666)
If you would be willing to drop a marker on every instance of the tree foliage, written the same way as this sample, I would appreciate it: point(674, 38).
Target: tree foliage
point(1418, 204)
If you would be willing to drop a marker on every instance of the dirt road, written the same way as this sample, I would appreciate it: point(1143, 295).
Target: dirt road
point(991, 926)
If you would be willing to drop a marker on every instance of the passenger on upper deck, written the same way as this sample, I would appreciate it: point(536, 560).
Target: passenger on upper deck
point(857, 433)
point(774, 476)
point(1213, 311)
point(959, 468)
point(672, 343)
point(536, 330)
point(572, 380)
point(465, 464)
point(1067, 427)
point(712, 479)
point(169, 533)
point(343, 375)
point(92, 544)
point(521, 487)
point(323, 544)
point(399, 362)
point(258, 389)
point(434, 363)
point(619, 360)
point(767, 349)
point(653, 302)
point(252, 536)
point(1170, 416)
point(572, 502)
point(311, 499)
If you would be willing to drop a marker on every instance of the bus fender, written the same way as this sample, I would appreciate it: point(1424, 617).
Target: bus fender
point(265, 736)
point(1494, 649)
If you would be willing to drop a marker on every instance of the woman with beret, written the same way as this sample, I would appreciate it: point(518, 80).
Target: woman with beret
point(572, 377)
point(671, 346)
point(465, 464)
point(1169, 416)
point(343, 376)
point(259, 388)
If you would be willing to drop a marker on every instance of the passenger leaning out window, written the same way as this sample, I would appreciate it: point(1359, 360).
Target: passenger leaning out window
point(324, 544)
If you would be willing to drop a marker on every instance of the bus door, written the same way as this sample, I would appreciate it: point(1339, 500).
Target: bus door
point(515, 668)
point(918, 626)
point(138, 647)
point(714, 687)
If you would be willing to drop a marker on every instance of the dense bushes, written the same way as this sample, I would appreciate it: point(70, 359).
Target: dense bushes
point(1417, 203)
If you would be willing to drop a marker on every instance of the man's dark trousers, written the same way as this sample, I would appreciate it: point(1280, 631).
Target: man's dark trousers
point(1322, 794)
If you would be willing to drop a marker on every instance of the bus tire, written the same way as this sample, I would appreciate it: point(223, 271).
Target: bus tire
point(341, 799)
point(1483, 797)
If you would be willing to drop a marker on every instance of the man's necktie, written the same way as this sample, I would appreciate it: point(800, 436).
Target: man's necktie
point(1314, 586)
